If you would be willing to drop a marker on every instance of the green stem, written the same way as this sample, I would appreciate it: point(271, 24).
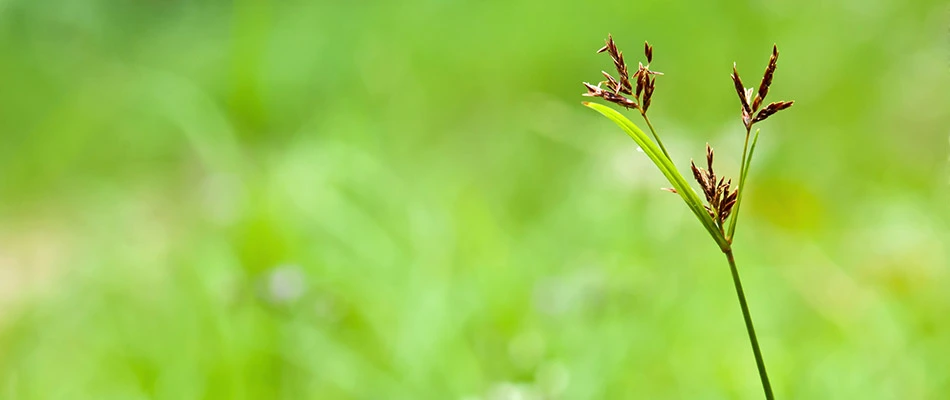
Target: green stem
point(759, 362)
point(655, 136)
point(742, 171)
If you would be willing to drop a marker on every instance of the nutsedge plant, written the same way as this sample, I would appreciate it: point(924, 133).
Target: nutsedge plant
point(720, 211)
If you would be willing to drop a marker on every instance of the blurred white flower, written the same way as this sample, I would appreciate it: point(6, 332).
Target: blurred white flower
point(552, 379)
point(512, 391)
point(285, 284)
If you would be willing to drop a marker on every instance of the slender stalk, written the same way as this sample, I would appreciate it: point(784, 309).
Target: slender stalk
point(742, 170)
point(745, 173)
point(759, 362)
point(655, 136)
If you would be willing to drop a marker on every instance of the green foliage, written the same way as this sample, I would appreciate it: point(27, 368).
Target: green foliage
point(171, 171)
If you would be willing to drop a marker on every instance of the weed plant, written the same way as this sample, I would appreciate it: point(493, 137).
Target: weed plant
point(720, 211)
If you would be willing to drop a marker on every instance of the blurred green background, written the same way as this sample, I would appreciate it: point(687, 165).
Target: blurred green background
point(405, 200)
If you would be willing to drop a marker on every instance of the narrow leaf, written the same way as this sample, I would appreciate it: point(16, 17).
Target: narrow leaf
point(666, 167)
point(744, 175)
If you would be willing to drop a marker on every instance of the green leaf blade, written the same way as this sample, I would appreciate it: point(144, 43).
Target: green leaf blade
point(666, 167)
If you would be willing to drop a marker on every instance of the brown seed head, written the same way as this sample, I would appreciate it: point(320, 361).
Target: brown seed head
point(621, 68)
point(609, 46)
point(699, 175)
point(592, 91)
point(740, 90)
point(612, 83)
point(725, 208)
point(640, 85)
point(641, 77)
point(719, 198)
point(648, 94)
point(766, 79)
point(617, 56)
point(707, 182)
point(618, 99)
point(772, 108)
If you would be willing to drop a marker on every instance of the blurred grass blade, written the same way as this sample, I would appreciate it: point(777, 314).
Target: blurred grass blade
point(667, 168)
